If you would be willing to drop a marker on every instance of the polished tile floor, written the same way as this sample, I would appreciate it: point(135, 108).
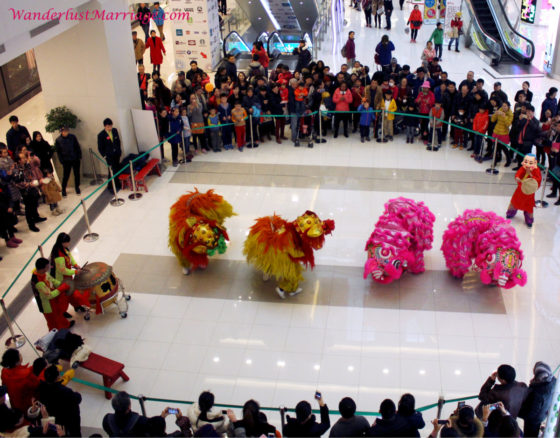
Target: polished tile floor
point(225, 330)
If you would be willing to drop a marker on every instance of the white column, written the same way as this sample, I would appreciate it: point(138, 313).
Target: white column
point(91, 69)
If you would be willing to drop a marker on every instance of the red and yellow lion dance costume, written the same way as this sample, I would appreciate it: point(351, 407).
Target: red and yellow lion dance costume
point(196, 228)
point(281, 249)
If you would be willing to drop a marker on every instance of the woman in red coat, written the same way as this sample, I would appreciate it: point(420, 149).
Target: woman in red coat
point(415, 22)
point(519, 200)
point(22, 384)
point(258, 48)
point(157, 50)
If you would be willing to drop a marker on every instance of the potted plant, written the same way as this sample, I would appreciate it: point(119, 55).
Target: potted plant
point(59, 117)
point(56, 119)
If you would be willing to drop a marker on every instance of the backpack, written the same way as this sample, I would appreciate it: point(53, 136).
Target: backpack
point(343, 51)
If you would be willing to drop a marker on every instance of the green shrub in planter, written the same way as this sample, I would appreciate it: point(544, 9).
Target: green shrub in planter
point(59, 117)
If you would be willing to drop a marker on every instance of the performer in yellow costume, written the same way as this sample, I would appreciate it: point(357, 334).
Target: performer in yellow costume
point(196, 228)
point(282, 249)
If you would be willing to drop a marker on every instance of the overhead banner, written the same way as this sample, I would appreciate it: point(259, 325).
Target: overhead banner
point(430, 11)
point(198, 37)
point(451, 8)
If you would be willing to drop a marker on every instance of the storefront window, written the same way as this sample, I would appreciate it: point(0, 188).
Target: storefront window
point(20, 76)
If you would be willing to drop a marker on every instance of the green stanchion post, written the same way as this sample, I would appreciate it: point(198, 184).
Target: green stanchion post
point(96, 180)
point(492, 170)
point(542, 203)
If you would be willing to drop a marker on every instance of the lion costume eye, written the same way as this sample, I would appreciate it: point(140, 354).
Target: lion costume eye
point(491, 258)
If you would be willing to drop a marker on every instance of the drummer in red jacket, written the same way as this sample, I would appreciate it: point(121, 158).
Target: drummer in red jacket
point(47, 291)
point(521, 200)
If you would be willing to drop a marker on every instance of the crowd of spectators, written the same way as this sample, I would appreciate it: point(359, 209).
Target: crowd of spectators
point(237, 110)
point(40, 404)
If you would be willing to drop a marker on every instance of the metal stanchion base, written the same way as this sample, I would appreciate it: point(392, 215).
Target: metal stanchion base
point(135, 196)
point(541, 204)
point(95, 182)
point(16, 341)
point(91, 237)
point(117, 202)
point(492, 171)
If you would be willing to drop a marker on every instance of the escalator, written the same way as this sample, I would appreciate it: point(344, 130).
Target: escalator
point(493, 34)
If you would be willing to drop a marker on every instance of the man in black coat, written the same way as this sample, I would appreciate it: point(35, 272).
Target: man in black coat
point(61, 402)
point(124, 422)
point(193, 71)
point(498, 93)
point(109, 146)
point(390, 424)
point(508, 391)
point(70, 155)
point(304, 56)
point(143, 15)
point(528, 130)
point(231, 68)
point(388, 6)
point(16, 134)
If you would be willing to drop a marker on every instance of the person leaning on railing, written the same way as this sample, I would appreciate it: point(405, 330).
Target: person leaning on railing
point(305, 423)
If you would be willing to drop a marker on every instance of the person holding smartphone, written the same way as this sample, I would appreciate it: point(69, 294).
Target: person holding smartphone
point(202, 413)
point(305, 423)
point(156, 425)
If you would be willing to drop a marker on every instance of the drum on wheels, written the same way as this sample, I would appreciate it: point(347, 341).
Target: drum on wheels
point(103, 286)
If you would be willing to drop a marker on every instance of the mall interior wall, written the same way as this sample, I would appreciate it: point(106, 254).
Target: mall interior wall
point(91, 69)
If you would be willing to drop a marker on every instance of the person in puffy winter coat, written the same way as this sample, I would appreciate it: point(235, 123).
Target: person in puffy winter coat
point(201, 414)
point(535, 407)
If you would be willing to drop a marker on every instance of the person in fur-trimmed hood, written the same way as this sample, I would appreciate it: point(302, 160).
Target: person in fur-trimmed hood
point(201, 414)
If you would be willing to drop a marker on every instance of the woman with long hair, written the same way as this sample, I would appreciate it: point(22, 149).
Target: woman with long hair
point(64, 267)
point(253, 423)
point(43, 150)
point(202, 413)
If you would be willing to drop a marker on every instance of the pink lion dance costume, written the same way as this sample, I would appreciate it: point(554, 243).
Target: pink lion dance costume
point(491, 242)
point(401, 235)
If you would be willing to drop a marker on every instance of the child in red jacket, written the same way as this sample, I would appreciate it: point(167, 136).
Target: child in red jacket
point(480, 125)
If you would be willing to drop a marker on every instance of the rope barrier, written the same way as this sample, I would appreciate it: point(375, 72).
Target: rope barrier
point(321, 112)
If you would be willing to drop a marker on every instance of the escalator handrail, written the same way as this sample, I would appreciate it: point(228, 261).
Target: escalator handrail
point(474, 18)
point(270, 38)
point(499, 27)
point(227, 36)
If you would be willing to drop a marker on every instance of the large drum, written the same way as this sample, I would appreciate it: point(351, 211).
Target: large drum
point(103, 287)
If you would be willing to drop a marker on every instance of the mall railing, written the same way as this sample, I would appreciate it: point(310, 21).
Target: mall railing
point(552, 427)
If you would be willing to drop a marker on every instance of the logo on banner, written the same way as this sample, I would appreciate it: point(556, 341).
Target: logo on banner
point(192, 43)
point(179, 43)
point(202, 42)
point(179, 32)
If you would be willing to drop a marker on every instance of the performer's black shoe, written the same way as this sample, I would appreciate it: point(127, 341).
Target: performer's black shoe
point(516, 168)
point(67, 315)
point(551, 195)
point(557, 202)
